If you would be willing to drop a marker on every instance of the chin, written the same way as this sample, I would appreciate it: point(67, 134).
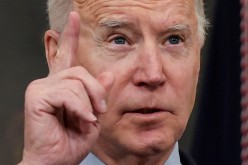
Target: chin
point(150, 144)
point(149, 150)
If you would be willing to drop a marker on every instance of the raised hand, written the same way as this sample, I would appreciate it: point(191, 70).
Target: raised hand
point(60, 110)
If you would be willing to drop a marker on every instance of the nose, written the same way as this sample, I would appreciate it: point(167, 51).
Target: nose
point(150, 69)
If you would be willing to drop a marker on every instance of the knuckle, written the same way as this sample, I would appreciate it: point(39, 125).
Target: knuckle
point(78, 84)
point(73, 85)
point(33, 86)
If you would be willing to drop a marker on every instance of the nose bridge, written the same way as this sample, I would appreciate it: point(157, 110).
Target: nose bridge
point(151, 61)
point(150, 71)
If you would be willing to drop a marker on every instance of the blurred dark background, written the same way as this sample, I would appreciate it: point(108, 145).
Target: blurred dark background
point(22, 25)
point(213, 133)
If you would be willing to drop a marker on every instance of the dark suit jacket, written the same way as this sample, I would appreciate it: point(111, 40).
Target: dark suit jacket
point(186, 159)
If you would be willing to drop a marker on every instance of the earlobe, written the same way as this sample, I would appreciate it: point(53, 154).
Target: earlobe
point(51, 40)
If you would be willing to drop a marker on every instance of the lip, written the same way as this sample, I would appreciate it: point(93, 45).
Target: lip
point(147, 115)
point(144, 116)
point(146, 111)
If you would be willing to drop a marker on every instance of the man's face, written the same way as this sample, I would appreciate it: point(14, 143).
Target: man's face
point(152, 48)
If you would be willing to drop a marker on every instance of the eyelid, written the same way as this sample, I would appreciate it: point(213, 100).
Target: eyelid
point(116, 35)
point(181, 38)
point(180, 34)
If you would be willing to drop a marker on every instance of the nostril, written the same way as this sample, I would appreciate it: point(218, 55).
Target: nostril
point(151, 75)
point(153, 79)
point(151, 86)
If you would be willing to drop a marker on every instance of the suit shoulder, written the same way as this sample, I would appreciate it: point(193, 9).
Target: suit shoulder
point(186, 159)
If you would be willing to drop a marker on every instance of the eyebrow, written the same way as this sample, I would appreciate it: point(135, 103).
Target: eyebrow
point(179, 27)
point(113, 23)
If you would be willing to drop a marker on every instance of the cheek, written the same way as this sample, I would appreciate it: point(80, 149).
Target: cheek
point(182, 82)
point(92, 61)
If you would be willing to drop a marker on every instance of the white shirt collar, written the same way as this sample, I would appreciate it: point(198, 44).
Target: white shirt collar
point(174, 158)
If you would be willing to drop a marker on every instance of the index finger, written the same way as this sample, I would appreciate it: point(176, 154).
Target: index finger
point(68, 43)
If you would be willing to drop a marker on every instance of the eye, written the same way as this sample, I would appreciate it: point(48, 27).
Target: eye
point(175, 39)
point(119, 40)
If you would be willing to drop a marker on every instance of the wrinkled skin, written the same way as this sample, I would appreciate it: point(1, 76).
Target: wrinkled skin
point(141, 57)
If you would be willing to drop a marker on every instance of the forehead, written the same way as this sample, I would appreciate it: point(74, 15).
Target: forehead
point(128, 3)
point(94, 11)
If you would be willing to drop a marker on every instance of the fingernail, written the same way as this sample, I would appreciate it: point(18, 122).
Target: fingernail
point(103, 106)
point(92, 117)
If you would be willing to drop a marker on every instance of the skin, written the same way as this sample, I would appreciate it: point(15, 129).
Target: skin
point(139, 60)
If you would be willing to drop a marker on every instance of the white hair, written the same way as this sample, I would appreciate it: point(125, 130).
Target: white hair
point(202, 21)
point(58, 11)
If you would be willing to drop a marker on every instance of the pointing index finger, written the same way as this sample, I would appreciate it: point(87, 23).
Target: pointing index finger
point(68, 44)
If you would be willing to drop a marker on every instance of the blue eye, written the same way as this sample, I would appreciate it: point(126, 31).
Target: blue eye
point(119, 40)
point(174, 40)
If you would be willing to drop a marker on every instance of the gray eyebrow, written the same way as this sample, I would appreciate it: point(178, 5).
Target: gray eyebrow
point(112, 23)
point(179, 27)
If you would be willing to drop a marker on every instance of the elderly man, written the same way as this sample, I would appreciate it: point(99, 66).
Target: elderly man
point(121, 84)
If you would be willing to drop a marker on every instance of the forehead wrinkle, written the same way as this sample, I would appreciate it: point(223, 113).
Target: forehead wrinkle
point(111, 14)
point(98, 8)
point(127, 3)
point(146, 4)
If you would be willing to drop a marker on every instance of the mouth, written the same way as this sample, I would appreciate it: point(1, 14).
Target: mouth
point(147, 115)
point(146, 111)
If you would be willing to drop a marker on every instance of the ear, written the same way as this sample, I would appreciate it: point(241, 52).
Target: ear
point(51, 40)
